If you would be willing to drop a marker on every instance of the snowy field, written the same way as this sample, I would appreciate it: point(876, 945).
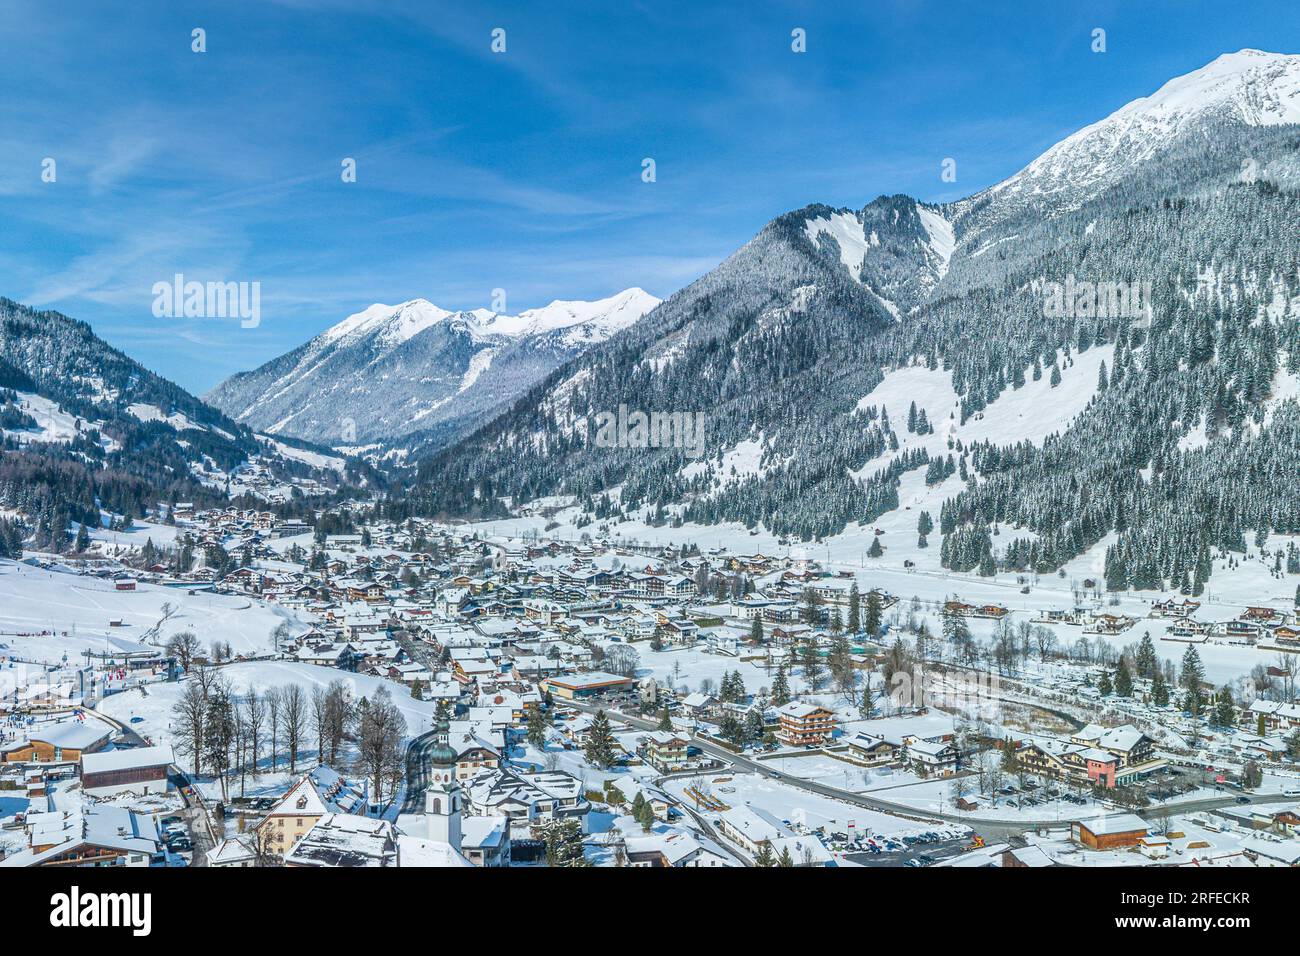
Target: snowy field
point(74, 612)
point(799, 807)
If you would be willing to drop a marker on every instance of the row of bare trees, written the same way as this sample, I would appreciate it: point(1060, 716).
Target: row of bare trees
point(223, 732)
point(227, 735)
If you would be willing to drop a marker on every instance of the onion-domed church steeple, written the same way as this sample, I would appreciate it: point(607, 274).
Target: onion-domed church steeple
point(442, 798)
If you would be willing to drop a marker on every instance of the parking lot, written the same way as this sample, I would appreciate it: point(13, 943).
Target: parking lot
point(910, 852)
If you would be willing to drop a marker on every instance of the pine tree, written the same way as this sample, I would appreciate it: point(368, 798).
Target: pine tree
point(1104, 686)
point(665, 720)
point(867, 699)
point(1192, 673)
point(765, 856)
point(812, 666)
point(1159, 689)
point(600, 743)
point(537, 727)
point(780, 688)
point(1123, 680)
point(1225, 713)
point(872, 623)
point(855, 609)
point(563, 841)
point(1147, 662)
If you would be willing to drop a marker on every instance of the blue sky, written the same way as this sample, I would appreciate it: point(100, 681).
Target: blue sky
point(519, 170)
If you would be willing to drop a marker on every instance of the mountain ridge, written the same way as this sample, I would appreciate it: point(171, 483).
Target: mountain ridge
point(419, 359)
point(782, 343)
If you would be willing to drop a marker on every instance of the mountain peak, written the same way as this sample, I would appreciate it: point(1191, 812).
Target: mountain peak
point(387, 372)
point(392, 323)
point(1251, 87)
point(604, 316)
point(1258, 88)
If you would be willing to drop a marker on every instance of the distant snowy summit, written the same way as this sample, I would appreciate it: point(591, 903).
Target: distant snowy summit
point(587, 321)
point(1250, 88)
point(391, 372)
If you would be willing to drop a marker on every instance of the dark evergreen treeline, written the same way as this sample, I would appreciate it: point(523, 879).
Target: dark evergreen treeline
point(780, 342)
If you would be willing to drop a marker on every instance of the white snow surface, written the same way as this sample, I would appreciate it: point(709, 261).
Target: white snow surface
point(1252, 86)
point(76, 612)
point(395, 324)
point(942, 241)
point(846, 229)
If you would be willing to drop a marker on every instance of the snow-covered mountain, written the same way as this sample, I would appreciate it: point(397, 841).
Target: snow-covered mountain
point(1037, 433)
point(417, 372)
point(1249, 88)
point(84, 425)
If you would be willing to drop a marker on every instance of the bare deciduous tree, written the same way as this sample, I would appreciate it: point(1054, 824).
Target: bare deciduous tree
point(255, 719)
point(293, 703)
point(379, 743)
point(187, 722)
point(184, 646)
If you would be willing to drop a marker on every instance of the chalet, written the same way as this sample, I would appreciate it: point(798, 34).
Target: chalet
point(934, 759)
point(788, 634)
point(1110, 831)
point(1242, 629)
point(545, 612)
point(750, 827)
point(232, 853)
point(100, 835)
point(1106, 757)
point(872, 749)
point(1186, 629)
point(1024, 857)
point(64, 741)
point(700, 705)
point(293, 817)
point(1263, 615)
point(1286, 635)
point(1272, 715)
point(675, 849)
point(528, 798)
point(665, 751)
point(341, 839)
point(485, 841)
point(804, 724)
point(661, 805)
point(1109, 624)
point(138, 770)
point(474, 755)
point(1174, 609)
point(677, 630)
point(328, 655)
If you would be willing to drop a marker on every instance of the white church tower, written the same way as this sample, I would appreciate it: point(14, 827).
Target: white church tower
point(442, 798)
